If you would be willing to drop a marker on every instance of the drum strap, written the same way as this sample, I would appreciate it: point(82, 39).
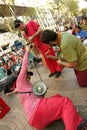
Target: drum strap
point(26, 92)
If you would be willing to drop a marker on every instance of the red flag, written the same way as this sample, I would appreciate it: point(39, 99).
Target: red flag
point(4, 108)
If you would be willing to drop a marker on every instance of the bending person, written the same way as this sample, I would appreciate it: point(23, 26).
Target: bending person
point(41, 111)
point(73, 51)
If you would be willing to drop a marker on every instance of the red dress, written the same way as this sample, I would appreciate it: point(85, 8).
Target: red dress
point(32, 28)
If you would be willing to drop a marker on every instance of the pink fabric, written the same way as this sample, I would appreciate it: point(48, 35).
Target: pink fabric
point(81, 77)
point(32, 27)
point(29, 102)
point(54, 108)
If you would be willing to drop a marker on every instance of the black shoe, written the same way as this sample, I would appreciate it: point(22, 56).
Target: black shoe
point(50, 75)
point(58, 73)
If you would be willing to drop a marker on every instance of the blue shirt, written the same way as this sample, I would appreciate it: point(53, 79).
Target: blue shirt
point(81, 34)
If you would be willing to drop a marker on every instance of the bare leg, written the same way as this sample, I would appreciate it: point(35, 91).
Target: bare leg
point(14, 91)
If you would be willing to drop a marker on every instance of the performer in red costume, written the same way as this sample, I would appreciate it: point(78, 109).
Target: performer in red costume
point(32, 33)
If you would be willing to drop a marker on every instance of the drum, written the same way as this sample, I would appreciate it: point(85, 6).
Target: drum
point(39, 88)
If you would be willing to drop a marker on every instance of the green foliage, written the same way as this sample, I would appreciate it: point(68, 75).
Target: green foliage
point(72, 6)
point(84, 9)
point(64, 7)
point(29, 12)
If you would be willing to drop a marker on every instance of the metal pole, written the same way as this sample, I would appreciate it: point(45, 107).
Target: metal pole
point(38, 73)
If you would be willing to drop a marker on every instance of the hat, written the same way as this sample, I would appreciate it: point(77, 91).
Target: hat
point(39, 88)
point(30, 73)
point(17, 23)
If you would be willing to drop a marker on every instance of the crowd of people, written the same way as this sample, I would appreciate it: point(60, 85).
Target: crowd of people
point(78, 28)
point(10, 65)
point(9, 68)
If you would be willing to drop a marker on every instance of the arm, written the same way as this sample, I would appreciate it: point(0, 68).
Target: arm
point(52, 57)
point(73, 64)
point(63, 63)
point(83, 39)
point(35, 30)
point(25, 65)
point(37, 33)
point(30, 39)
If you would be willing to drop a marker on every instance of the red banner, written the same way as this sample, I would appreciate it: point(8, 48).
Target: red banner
point(4, 108)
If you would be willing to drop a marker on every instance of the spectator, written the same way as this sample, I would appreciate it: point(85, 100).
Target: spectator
point(74, 29)
point(13, 66)
point(84, 24)
point(10, 85)
point(7, 83)
point(82, 34)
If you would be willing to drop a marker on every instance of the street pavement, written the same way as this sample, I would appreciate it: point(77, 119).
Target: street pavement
point(65, 85)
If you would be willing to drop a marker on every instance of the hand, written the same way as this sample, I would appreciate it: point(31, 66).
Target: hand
point(59, 61)
point(27, 48)
point(51, 57)
point(7, 94)
point(48, 56)
point(30, 39)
